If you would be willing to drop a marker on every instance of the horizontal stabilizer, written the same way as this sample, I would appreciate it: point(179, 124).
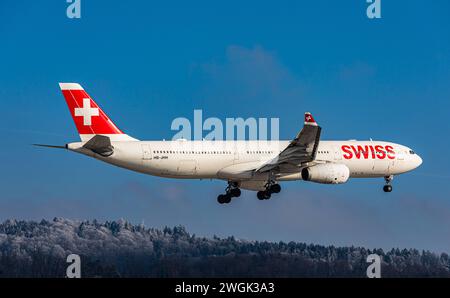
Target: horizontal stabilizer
point(50, 146)
point(100, 145)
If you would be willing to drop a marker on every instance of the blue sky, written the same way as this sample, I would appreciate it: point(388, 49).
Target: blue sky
point(148, 62)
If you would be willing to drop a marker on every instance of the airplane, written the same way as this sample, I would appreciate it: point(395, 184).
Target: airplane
point(256, 165)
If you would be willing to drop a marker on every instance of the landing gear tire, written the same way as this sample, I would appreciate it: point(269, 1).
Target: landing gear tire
point(224, 199)
point(235, 192)
point(275, 188)
point(227, 198)
point(260, 195)
point(387, 188)
point(232, 191)
point(220, 199)
point(263, 195)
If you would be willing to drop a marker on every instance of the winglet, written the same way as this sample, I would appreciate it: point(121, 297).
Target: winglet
point(309, 120)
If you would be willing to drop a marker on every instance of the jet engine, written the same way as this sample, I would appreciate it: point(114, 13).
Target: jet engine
point(326, 173)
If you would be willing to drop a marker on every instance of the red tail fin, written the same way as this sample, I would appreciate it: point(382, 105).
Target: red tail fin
point(89, 118)
point(309, 120)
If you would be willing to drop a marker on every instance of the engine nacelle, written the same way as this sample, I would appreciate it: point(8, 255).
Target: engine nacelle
point(326, 173)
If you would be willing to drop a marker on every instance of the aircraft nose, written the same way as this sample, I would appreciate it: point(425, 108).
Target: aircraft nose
point(417, 161)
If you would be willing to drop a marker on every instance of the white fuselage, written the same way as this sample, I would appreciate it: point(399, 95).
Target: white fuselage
point(253, 165)
point(230, 160)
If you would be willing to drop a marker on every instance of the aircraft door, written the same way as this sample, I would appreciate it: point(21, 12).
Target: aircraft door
point(400, 154)
point(399, 160)
point(381, 166)
point(236, 154)
point(337, 153)
point(146, 152)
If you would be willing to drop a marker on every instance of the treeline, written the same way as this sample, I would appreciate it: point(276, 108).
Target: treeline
point(121, 249)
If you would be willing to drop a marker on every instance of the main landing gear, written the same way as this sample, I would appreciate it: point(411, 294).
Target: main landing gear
point(232, 191)
point(388, 186)
point(271, 188)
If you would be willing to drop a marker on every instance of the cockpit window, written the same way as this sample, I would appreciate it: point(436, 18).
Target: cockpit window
point(411, 152)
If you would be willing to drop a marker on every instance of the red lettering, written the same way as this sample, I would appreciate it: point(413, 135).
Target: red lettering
point(357, 153)
point(380, 152)
point(390, 149)
point(360, 149)
point(365, 151)
point(348, 154)
point(373, 152)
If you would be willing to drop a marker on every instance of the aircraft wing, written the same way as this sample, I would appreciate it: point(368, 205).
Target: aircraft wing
point(300, 150)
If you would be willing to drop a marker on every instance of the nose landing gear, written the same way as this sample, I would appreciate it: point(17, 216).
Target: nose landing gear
point(232, 191)
point(388, 186)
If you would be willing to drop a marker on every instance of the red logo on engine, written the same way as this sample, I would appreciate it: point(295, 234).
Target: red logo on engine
point(368, 151)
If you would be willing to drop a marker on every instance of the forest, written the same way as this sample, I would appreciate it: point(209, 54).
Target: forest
point(121, 249)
